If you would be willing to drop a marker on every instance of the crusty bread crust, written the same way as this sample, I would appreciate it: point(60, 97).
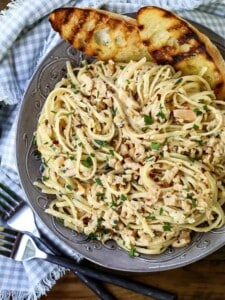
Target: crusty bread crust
point(99, 33)
point(170, 39)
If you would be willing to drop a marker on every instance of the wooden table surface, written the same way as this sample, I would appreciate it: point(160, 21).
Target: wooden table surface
point(203, 280)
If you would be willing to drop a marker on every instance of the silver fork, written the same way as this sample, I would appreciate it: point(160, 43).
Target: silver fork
point(13, 212)
point(22, 247)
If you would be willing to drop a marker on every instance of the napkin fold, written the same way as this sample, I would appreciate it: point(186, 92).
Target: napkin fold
point(25, 38)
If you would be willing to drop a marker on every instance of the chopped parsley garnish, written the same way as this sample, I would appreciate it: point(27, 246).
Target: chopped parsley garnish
point(101, 143)
point(61, 221)
point(111, 152)
point(161, 114)
point(205, 107)
point(44, 178)
point(87, 162)
point(161, 211)
point(115, 204)
point(198, 111)
point(99, 222)
point(72, 86)
point(69, 187)
point(193, 200)
point(148, 120)
point(167, 226)
point(114, 110)
point(100, 195)
point(151, 216)
point(92, 236)
point(35, 139)
point(195, 126)
point(98, 181)
point(155, 145)
point(132, 252)
point(199, 142)
point(123, 197)
point(179, 80)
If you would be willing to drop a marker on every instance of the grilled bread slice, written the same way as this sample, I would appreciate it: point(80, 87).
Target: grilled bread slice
point(172, 40)
point(100, 33)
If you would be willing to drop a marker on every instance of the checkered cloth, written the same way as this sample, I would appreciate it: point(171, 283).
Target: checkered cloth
point(25, 38)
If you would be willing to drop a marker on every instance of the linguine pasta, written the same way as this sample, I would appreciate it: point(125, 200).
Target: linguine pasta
point(135, 153)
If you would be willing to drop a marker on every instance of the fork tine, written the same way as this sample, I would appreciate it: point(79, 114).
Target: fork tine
point(9, 201)
point(15, 198)
point(8, 241)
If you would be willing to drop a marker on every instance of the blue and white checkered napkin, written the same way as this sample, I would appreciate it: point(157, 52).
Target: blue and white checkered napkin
point(25, 38)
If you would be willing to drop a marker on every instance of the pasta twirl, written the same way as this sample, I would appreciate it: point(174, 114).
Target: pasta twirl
point(134, 152)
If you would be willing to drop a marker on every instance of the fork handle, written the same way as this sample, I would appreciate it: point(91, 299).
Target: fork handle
point(96, 286)
point(135, 286)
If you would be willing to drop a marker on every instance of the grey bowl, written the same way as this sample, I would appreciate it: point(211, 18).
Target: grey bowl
point(109, 255)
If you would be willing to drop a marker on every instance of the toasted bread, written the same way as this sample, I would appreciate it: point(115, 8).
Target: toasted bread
point(172, 40)
point(100, 33)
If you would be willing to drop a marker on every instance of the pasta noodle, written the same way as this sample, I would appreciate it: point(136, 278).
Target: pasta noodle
point(135, 153)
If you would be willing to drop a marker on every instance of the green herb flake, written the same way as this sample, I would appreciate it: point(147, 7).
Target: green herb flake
point(205, 107)
point(195, 126)
point(98, 181)
point(35, 139)
point(161, 211)
point(100, 195)
point(99, 222)
point(87, 162)
point(72, 86)
point(52, 111)
point(199, 142)
point(151, 216)
point(101, 143)
point(115, 222)
point(161, 114)
point(123, 197)
point(97, 94)
point(69, 187)
point(193, 200)
point(179, 80)
point(45, 178)
point(111, 152)
point(61, 221)
point(192, 159)
point(198, 111)
point(114, 110)
point(167, 226)
point(155, 145)
point(132, 252)
point(148, 120)
point(76, 91)
point(93, 236)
